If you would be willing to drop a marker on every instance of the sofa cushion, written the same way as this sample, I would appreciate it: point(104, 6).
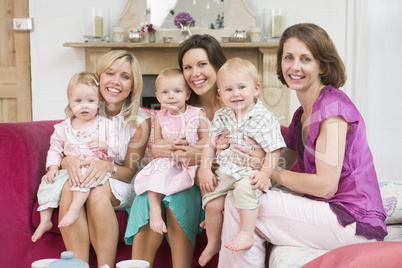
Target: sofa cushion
point(394, 233)
point(391, 193)
point(290, 256)
point(372, 254)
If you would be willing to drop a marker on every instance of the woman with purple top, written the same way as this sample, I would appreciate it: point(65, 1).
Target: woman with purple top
point(335, 199)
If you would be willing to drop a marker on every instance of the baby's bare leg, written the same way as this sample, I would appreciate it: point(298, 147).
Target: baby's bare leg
point(79, 199)
point(213, 222)
point(44, 225)
point(156, 222)
point(245, 238)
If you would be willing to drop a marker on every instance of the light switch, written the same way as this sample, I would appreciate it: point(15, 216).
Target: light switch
point(22, 24)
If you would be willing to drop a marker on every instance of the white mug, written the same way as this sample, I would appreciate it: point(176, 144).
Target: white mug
point(42, 263)
point(133, 264)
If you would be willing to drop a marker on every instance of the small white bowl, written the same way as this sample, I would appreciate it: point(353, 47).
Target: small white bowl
point(167, 39)
point(42, 263)
point(133, 263)
point(225, 39)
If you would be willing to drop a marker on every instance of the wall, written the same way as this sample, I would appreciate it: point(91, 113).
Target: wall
point(57, 22)
point(373, 64)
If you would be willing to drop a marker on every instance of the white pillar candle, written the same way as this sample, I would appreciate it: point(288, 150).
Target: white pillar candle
point(98, 26)
point(277, 26)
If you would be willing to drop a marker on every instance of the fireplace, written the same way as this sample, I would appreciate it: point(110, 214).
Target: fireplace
point(148, 98)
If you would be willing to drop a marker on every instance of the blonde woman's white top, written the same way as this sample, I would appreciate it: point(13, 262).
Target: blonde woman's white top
point(123, 191)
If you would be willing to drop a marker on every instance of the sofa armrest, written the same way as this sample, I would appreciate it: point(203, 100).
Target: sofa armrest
point(23, 153)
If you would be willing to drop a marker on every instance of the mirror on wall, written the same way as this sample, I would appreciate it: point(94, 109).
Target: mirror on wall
point(222, 18)
point(208, 14)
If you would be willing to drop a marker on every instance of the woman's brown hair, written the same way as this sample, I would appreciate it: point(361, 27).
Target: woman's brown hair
point(322, 49)
point(215, 53)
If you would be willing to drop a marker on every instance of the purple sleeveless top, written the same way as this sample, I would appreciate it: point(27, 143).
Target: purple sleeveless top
point(358, 198)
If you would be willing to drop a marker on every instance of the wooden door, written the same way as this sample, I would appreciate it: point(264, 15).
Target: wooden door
point(15, 67)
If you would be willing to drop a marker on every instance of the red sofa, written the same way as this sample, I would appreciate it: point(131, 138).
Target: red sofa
point(23, 150)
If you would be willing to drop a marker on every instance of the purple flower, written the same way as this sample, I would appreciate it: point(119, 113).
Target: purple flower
point(183, 18)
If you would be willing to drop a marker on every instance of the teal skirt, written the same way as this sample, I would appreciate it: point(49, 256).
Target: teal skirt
point(186, 207)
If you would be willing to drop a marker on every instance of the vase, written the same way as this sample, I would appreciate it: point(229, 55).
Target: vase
point(185, 32)
point(152, 37)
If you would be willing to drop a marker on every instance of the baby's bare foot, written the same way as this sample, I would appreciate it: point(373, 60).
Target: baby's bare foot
point(241, 241)
point(70, 217)
point(42, 228)
point(203, 225)
point(210, 250)
point(157, 224)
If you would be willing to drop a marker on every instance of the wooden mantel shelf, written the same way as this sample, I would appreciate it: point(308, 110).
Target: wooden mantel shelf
point(154, 57)
point(165, 45)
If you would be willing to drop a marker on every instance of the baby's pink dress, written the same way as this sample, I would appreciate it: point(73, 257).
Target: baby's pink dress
point(164, 175)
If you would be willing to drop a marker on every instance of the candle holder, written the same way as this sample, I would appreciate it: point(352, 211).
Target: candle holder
point(255, 34)
point(97, 24)
point(118, 34)
point(273, 23)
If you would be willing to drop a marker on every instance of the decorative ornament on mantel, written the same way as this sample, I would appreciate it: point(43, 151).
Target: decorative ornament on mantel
point(135, 36)
point(184, 22)
point(151, 32)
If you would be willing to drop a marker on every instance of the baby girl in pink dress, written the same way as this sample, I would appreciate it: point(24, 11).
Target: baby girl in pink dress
point(84, 134)
point(177, 120)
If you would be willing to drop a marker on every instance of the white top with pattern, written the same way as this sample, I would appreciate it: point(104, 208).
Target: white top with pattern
point(259, 124)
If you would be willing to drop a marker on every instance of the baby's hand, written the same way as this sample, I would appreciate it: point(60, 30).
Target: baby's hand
point(51, 174)
point(181, 141)
point(187, 155)
point(96, 146)
point(207, 180)
point(260, 180)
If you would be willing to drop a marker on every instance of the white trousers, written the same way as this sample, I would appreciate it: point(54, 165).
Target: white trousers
point(285, 219)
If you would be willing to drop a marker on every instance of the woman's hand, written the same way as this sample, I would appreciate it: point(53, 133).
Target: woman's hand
point(72, 165)
point(96, 172)
point(252, 157)
point(223, 141)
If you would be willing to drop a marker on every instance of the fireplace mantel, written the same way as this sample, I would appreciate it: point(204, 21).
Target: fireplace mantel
point(155, 57)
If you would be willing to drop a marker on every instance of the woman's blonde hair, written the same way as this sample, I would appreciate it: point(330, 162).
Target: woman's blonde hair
point(85, 78)
point(131, 104)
